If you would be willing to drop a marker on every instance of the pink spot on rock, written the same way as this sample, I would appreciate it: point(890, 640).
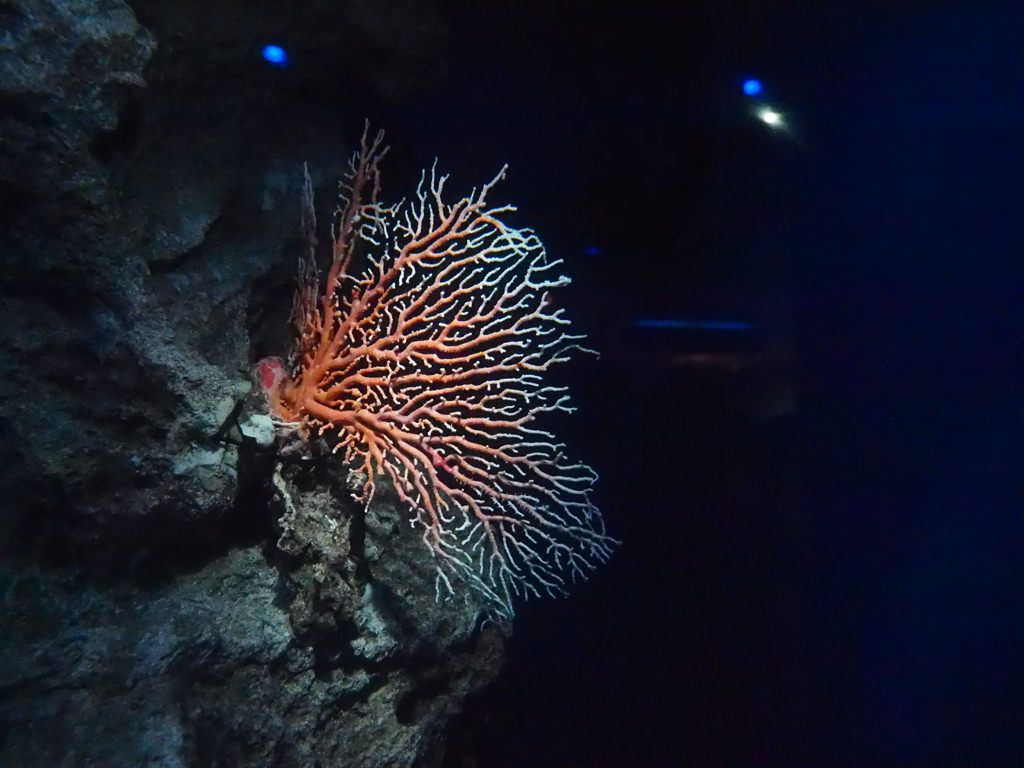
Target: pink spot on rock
point(271, 373)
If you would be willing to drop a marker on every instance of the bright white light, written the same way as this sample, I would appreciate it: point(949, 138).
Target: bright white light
point(777, 122)
point(770, 117)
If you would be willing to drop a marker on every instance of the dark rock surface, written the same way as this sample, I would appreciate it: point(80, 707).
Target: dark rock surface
point(173, 594)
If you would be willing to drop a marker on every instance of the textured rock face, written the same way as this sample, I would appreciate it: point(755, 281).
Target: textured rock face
point(107, 399)
point(174, 593)
point(67, 68)
point(244, 662)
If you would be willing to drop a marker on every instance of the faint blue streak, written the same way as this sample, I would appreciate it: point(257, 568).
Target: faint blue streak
point(700, 325)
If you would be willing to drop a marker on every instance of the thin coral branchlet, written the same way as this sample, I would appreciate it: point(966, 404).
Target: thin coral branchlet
point(427, 369)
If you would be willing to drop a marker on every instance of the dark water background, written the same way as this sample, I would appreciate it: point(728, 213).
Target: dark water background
point(821, 516)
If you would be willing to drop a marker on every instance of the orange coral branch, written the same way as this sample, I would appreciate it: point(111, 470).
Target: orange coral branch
point(427, 369)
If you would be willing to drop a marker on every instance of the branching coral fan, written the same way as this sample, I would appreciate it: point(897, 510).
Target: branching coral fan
point(427, 369)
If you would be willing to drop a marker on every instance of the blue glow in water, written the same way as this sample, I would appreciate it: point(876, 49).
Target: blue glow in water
point(752, 87)
point(592, 251)
point(700, 325)
point(275, 54)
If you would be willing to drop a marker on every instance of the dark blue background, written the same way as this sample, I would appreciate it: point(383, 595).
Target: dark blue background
point(839, 586)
